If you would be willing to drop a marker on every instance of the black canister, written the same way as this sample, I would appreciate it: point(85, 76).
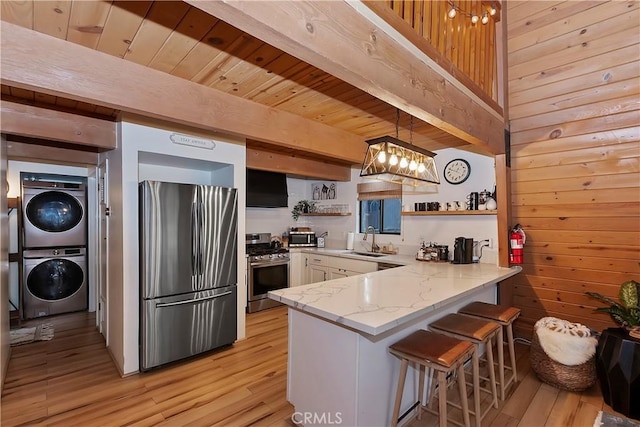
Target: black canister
point(473, 201)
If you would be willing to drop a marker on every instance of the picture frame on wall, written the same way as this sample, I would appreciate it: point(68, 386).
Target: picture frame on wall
point(323, 191)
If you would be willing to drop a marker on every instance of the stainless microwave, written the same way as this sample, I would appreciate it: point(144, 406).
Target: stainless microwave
point(302, 239)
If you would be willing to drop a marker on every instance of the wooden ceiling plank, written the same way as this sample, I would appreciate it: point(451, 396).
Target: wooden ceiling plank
point(162, 19)
point(552, 12)
point(20, 119)
point(17, 12)
point(217, 40)
point(52, 17)
point(22, 93)
point(87, 21)
point(191, 29)
point(231, 59)
point(69, 104)
point(243, 72)
point(222, 55)
point(121, 26)
point(38, 62)
point(368, 59)
point(43, 98)
point(6, 90)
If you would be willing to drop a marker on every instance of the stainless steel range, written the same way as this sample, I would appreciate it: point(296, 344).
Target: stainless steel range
point(267, 270)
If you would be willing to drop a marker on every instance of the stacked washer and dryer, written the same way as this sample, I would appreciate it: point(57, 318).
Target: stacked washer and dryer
point(54, 242)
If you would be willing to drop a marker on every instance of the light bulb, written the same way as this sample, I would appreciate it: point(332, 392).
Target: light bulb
point(474, 19)
point(393, 160)
point(485, 18)
point(421, 167)
point(413, 165)
point(382, 156)
point(452, 12)
point(404, 162)
point(493, 10)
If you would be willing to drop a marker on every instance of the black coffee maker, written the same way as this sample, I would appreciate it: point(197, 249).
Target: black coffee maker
point(463, 250)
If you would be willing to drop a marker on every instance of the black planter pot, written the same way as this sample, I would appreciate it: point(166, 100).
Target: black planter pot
point(618, 369)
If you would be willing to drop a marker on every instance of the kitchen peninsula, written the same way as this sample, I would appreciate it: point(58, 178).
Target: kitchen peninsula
point(339, 365)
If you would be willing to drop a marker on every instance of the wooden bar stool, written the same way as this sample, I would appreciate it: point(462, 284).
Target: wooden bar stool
point(505, 316)
point(444, 355)
point(478, 331)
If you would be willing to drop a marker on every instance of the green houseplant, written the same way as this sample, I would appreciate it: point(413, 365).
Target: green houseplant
point(303, 206)
point(626, 312)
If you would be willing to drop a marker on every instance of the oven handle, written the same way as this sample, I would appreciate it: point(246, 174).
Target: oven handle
point(267, 263)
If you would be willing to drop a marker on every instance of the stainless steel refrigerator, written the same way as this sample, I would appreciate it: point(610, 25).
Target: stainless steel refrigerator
point(188, 277)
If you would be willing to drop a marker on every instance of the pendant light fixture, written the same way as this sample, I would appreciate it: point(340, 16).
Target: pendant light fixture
point(390, 159)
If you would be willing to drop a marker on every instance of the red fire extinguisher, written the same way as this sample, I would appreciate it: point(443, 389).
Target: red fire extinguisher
point(516, 240)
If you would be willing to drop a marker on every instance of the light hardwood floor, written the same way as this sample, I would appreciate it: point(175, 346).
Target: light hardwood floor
point(71, 380)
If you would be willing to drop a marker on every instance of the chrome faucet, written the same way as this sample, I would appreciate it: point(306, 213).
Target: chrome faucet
point(374, 247)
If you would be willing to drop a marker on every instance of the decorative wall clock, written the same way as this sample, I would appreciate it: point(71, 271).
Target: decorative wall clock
point(457, 171)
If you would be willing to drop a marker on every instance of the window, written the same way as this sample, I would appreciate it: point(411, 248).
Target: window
point(380, 206)
point(382, 214)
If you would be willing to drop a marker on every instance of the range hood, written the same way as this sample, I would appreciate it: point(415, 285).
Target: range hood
point(266, 189)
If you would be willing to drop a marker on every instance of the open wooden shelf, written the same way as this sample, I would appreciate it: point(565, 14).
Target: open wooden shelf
point(445, 213)
point(326, 214)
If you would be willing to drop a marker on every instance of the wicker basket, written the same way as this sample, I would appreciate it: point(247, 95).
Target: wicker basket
point(572, 378)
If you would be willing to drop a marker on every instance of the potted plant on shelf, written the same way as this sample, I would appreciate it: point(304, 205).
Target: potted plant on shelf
point(618, 351)
point(303, 206)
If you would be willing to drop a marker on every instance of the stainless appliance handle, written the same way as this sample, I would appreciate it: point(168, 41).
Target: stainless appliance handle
point(191, 301)
point(267, 263)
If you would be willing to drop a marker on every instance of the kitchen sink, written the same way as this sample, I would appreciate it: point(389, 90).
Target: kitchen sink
point(371, 254)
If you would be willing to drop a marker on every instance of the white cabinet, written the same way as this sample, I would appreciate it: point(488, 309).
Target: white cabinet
point(296, 269)
point(316, 268)
point(323, 267)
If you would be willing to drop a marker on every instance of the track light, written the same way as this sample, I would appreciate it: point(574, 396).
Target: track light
point(493, 10)
point(485, 18)
point(474, 19)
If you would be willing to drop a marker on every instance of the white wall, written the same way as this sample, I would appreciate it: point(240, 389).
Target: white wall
point(146, 152)
point(415, 229)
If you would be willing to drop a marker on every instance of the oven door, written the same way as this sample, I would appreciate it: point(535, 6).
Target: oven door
point(264, 277)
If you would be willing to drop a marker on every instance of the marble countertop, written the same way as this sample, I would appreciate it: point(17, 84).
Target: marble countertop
point(376, 302)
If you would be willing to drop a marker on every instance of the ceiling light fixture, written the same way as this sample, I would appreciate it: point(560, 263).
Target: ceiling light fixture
point(485, 18)
point(407, 164)
point(474, 19)
point(493, 10)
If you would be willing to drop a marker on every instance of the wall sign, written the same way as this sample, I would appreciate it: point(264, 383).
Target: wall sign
point(192, 141)
point(323, 191)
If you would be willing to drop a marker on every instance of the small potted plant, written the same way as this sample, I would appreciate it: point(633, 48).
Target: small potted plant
point(616, 354)
point(626, 312)
point(303, 206)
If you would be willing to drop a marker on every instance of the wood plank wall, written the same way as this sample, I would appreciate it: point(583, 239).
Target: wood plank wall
point(574, 83)
point(470, 47)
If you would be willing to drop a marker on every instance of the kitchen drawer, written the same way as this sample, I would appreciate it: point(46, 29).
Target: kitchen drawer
point(313, 259)
point(352, 265)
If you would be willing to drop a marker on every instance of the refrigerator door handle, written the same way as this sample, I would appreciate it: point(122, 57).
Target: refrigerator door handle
point(191, 301)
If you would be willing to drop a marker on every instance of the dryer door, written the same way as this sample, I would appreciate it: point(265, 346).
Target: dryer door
point(54, 211)
point(55, 279)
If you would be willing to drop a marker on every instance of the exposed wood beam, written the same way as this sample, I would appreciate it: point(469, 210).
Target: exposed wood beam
point(50, 154)
point(43, 123)
point(336, 38)
point(294, 165)
point(38, 62)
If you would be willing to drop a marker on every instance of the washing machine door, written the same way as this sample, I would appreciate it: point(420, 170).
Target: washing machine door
point(55, 279)
point(54, 211)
